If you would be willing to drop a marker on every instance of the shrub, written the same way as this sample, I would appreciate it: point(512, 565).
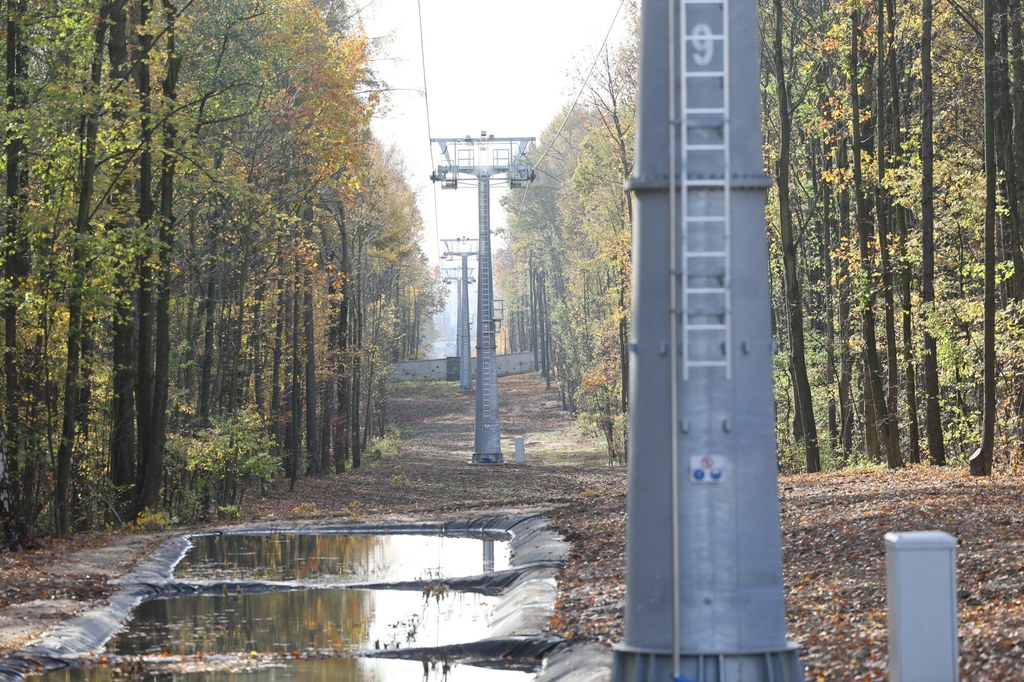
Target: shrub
point(152, 520)
point(232, 454)
point(388, 445)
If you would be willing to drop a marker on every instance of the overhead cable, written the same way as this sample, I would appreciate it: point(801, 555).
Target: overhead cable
point(565, 120)
point(430, 134)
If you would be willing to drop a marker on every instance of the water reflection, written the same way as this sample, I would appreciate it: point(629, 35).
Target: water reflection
point(323, 670)
point(488, 556)
point(250, 627)
point(338, 558)
point(304, 620)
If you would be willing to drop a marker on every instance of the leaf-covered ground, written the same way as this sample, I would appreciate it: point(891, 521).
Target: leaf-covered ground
point(833, 527)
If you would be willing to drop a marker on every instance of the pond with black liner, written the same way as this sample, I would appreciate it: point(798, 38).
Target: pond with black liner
point(338, 606)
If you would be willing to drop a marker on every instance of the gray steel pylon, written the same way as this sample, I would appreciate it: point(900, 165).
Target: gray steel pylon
point(482, 158)
point(463, 248)
point(487, 444)
point(465, 371)
point(704, 591)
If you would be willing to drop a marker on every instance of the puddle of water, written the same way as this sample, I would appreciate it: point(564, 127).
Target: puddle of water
point(324, 670)
point(235, 631)
point(328, 559)
point(304, 620)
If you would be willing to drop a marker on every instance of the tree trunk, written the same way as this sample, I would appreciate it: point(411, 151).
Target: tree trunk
point(847, 409)
point(1017, 94)
point(256, 343)
point(121, 445)
point(14, 528)
point(146, 210)
point(328, 397)
point(341, 447)
point(933, 416)
point(276, 415)
point(206, 359)
point(808, 437)
point(872, 447)
point(355, 405)
point(827, 238)
point(86, 180)
point(235, 379)
point(329, 394)
point(152, 483)
point(295, 398)
point(312, 431)
point(545, 327)
point(895, 144)
point(534, 345)
point(981, 460)
point(1006, 169)
point(15, 263)
point(876, 394)
point(883, 217)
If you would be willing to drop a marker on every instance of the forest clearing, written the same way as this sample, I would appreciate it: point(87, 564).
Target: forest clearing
point(807, 241)
point(832, 528)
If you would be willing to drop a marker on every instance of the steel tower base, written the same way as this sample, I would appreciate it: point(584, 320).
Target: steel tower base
point(493, 458)
point(637, 665)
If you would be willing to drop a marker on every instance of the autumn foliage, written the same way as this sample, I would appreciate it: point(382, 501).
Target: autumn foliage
point(199, 227)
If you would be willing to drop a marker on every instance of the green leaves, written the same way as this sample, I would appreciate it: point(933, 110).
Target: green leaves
point(238, 445)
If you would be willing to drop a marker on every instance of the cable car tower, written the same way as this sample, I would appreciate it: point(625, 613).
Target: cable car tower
point(463, 248)
point(462, 347)
point(704, 592)
point(482, 158)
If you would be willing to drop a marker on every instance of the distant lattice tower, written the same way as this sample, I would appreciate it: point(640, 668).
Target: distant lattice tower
point(704, 598)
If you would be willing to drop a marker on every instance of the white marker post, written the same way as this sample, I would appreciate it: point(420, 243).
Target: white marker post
point(920, 573)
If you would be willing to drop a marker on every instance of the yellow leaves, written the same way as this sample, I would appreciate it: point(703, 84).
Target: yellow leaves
point(837, 177)
point(319, 74)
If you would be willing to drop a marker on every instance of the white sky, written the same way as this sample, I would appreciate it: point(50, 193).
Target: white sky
point(501, 66)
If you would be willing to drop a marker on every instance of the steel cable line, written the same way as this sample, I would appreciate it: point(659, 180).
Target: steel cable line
point(568, 114)
point(430, 134)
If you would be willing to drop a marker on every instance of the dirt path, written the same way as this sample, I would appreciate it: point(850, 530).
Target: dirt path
point(833, 527)
point(60, 579)
point(565, 477)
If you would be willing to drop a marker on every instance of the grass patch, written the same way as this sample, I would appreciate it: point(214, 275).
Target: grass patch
point(423, 389)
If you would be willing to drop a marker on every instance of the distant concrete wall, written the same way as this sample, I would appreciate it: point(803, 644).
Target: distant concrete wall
point(419, 370)
point(436, 370)
point(516, 363)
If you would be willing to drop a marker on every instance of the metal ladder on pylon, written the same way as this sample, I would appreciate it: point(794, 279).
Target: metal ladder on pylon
point(485, 384)
point(706, 306)
point(487, 381)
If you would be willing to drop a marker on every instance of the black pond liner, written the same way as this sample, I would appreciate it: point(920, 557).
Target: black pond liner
point(526, 591)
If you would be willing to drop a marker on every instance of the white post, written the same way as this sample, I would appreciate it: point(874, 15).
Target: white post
point(520, 450)
point(920, 572)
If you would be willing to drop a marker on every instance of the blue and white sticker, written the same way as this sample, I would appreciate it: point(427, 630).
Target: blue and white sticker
point(707, 468)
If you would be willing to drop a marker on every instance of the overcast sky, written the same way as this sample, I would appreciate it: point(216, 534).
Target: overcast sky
point(505, 67)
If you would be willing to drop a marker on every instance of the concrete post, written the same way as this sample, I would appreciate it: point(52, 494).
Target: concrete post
point(920, 572)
